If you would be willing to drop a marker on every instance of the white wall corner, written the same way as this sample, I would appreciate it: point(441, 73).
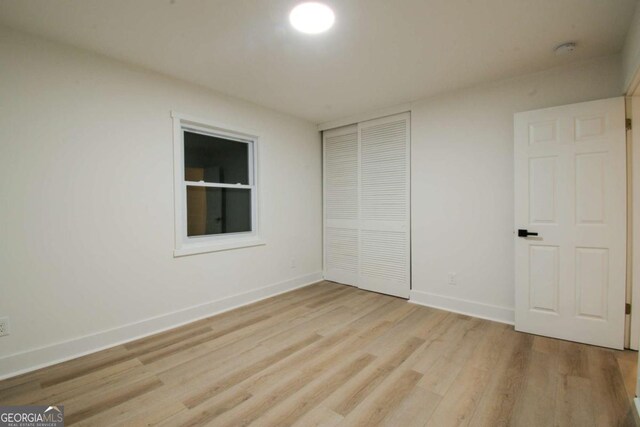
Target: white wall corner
point(631, 55)
point(462, 306)
point(30, 360)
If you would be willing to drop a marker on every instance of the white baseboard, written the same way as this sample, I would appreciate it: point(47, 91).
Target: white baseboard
point(30, 360)
point(470, 308)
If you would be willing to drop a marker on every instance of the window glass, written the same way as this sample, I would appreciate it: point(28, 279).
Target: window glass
point(214, 210)
point(215, 160)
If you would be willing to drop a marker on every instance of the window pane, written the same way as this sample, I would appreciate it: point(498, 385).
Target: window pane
point(217, 210)
point(216, 160)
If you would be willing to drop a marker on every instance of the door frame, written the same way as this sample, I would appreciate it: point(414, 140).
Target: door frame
point(633, 226)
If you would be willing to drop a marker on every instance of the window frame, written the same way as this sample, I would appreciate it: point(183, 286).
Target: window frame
point(184, 244)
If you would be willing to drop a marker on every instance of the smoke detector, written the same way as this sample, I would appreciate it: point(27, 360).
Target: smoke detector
point(565, 48)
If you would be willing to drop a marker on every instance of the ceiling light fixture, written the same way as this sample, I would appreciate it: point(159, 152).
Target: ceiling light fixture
point(312, 17)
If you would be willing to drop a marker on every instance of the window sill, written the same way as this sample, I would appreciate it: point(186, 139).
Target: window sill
point(216, 247)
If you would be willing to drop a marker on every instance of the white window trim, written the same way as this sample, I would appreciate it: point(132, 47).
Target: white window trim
point(202, 244)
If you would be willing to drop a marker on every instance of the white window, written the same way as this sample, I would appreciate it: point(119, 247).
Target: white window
point(216, 193)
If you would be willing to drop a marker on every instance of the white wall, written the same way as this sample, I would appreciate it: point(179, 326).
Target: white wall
point(86, 191)
point(631, 51)
point(462, 183)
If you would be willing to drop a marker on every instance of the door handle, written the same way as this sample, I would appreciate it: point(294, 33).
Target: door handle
point(526, 233)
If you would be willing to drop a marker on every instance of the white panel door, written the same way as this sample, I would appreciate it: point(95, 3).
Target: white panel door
point(341, 221)
point(570, 189)
point(384, 205)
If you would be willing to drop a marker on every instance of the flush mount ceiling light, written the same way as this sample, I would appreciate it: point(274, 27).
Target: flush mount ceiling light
point(312, 17)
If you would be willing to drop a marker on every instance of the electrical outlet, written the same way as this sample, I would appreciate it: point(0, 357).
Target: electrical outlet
point(293, 263)
point(4, 326)
point(452, 278)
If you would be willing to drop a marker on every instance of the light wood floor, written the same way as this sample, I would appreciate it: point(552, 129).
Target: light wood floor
point(334, 355)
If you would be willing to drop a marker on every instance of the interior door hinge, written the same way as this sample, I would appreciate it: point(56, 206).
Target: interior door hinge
point(627, 308)
point(628, 124)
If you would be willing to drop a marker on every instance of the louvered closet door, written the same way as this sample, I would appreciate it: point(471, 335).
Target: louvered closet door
point(341, 205)
point(384, 205)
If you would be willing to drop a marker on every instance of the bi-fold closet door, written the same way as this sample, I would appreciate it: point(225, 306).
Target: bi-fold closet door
point(366, 205)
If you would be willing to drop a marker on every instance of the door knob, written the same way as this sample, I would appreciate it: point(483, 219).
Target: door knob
point(525, 233)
